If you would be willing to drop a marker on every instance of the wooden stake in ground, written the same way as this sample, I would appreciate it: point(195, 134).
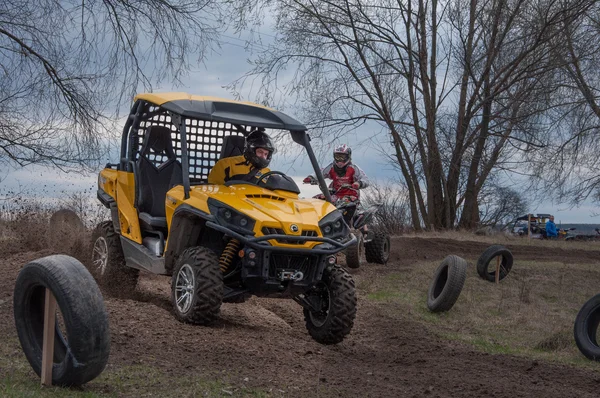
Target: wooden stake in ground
point(498, 269)
point(48, 343)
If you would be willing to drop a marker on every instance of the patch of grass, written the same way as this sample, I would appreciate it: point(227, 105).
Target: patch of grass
point(530, 313)
point(11, 386)
point(17, 379)
point(129, 381)
point(486, 345)
point(560, 340)
point(382, 295)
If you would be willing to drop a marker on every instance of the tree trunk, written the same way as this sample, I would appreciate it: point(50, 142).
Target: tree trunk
point(470, 215)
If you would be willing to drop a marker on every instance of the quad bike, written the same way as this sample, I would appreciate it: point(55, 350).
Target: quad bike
point(566, 234)
point(374, 247)
point(219, 243)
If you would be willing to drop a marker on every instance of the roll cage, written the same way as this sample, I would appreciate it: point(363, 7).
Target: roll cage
point(198, 126)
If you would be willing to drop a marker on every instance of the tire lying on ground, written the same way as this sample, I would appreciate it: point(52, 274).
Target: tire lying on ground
point(447, 283)
point(82, 347)
point(586, 328)
point(486, 268)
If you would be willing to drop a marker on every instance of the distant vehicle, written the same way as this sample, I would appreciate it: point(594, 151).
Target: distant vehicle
point(588, 237)
point(537, 224)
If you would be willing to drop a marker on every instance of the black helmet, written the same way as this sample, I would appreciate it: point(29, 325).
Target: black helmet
point(258, 139)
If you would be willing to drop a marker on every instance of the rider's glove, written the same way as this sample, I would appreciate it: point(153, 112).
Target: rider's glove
point(356, 185)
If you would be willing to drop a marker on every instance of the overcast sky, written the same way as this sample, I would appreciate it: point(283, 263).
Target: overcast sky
point(221, 69)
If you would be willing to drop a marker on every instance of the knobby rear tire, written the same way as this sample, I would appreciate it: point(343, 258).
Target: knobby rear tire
point(378, 250)
point(110, 272)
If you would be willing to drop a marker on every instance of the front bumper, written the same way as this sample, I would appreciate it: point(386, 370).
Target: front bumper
point(284, 271)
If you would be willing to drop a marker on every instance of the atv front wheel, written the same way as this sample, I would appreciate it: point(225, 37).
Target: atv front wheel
point(108, 264)
point(197, 286)
point(336, 299)
point(354, 254)
point(378, 249)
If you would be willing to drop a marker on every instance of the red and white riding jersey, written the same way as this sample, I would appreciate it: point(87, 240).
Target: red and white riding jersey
point(353, 174)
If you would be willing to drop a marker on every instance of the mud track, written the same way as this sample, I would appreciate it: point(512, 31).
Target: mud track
point(263, 343)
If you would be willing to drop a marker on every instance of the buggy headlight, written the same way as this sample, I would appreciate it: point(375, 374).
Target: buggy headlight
point(230, 218)
point(333, 225)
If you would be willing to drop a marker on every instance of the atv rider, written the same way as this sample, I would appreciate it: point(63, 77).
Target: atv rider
point(250, 166)
point(347, 178)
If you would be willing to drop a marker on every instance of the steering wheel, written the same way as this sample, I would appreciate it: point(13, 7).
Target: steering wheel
point(268, 173)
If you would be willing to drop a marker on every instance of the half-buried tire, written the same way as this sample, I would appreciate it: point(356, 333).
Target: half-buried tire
point(586, 328)
point(486, 268)
point(82, 337)
point(447, 283)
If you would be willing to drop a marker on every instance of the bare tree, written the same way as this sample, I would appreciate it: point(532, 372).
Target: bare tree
point(457, 84)
point(393, 215)
point(499, 205)
point(66, 65)
point(570, 167)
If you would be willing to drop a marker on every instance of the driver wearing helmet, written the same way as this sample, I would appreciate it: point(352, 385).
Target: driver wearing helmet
point(250, 166)
point(343, 173)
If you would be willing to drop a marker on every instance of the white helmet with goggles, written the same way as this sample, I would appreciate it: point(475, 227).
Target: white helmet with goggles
point(342, 155)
